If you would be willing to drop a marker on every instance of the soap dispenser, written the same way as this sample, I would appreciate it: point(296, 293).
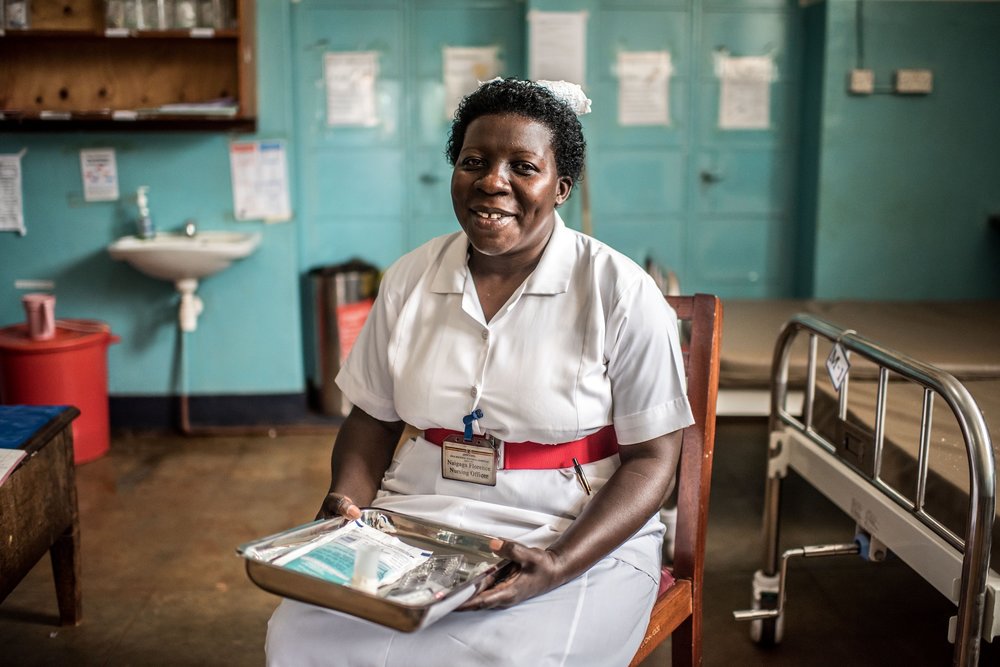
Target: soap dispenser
point(145, 229)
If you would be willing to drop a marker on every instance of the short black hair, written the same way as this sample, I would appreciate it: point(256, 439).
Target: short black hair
point(528, 99)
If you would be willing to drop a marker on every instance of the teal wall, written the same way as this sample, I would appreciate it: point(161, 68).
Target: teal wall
point(891, 194)
point(248, 339)
point(905, 185)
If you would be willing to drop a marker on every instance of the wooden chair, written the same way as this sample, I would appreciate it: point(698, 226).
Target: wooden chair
point(678, 608)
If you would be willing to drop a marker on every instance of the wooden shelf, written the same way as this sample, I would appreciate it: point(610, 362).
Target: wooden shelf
point(116, 34)
point(105, 122)
point(67, 72)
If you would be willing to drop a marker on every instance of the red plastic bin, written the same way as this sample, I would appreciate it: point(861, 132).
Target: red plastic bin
point(69, 369)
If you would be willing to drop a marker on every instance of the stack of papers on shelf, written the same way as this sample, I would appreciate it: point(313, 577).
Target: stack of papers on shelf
point(227, 107)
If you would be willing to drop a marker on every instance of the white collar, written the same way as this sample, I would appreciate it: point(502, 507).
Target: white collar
point(551, 276)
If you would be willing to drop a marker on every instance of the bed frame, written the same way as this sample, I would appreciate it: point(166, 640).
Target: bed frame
point(887, 520)
point(923, 329)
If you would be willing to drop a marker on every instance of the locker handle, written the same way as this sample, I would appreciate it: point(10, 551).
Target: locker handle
point(708, 176)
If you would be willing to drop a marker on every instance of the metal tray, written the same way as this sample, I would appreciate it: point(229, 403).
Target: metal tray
point(438, 538)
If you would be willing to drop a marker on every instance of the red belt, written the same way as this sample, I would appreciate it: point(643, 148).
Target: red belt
point(536, 456)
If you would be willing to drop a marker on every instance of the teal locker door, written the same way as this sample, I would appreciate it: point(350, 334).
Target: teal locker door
point(637, 174)
point(741, 237)
point(713, 205)
point(437, 25)
point(351, 179)
point(377, 192)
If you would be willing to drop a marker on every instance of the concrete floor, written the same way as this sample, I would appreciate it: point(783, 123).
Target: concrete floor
point(162, 585)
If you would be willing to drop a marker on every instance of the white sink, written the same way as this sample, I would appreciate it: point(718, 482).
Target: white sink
point(185, 260)
point(175, 257)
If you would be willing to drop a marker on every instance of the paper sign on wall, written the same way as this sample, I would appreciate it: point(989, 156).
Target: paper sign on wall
point(464, 68)
point(260, 180)
point(643, 87)
point(11, 198)
point(745, 94)
point(350, 78)
point(557, 46)
point(100, 174)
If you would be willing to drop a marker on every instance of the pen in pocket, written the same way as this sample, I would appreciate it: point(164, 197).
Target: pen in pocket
point(581, 476)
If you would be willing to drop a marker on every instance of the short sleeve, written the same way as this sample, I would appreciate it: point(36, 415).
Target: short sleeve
point(645, 366)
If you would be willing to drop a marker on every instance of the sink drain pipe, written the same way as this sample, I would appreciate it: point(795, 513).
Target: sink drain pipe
point(188, 429)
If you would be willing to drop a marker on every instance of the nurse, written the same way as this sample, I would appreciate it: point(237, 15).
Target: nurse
point(544, 345)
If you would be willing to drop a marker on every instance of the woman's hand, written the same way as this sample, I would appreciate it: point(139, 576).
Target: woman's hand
point(337, 504)
point(534, 572)
point(633, 494)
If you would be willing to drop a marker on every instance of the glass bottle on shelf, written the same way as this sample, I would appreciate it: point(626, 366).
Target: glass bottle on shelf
point(132, 14)
point(147, 15)
point(164, 14)
point(211, 14)
point(18, 15)
point(185, 14)
point(114, 14)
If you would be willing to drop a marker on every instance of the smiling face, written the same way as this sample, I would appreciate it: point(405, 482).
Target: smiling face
point(505, 186)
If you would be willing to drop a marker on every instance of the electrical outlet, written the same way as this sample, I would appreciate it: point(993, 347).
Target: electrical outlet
point(913, 81)
point(861, 81)
point(31, 283)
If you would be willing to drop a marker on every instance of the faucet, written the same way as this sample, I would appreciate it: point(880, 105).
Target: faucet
point(189, 228)
point(145, 229)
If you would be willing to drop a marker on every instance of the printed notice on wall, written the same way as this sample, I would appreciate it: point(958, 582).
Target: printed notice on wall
point(643, 87)
point(11, 200)
point(260, 180)
point(745, 93)
point(350, 78)
point(464, 68)
point(100, 174)
point(557, 46)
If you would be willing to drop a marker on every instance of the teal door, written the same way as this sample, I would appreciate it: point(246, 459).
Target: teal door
point(377, 192)
point(714, 205)
point(742, 236)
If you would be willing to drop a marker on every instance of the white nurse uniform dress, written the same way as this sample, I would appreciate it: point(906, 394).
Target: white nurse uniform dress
point(586, 341)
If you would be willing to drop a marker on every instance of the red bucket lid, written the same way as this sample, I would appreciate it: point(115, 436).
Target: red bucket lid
point(70, 334)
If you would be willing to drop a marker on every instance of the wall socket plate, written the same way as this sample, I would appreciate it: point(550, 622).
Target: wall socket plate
point(861, 82)
point(913, 81)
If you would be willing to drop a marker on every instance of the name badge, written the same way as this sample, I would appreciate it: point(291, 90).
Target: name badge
point(474, 461)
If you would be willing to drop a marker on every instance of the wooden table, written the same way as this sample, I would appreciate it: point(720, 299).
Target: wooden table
point(38, 510)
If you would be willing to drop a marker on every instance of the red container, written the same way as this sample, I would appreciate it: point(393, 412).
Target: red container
point(69, 369)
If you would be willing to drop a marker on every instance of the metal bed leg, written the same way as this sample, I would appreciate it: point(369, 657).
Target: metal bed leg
point(768, 630)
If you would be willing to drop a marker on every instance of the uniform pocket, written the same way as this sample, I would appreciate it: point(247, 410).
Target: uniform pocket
point(415, 466)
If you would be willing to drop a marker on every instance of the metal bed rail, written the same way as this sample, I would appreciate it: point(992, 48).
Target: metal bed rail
point(982, 483)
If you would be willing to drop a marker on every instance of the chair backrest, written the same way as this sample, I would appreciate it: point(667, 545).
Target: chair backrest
point(678, 609)
point(702, 315)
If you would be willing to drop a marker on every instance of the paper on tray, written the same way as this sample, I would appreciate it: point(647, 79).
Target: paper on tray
point(332, 557)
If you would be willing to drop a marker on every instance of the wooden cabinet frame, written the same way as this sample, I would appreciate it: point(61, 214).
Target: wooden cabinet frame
point(68, 72)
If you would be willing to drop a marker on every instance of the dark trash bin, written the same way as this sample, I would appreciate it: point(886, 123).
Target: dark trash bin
point(341, 298)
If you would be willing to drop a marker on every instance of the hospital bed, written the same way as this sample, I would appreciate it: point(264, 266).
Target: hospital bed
point(901, 446)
